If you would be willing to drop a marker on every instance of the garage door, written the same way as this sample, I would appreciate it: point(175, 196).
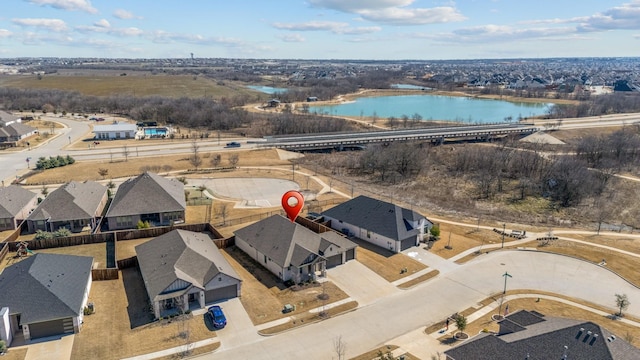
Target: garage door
point(407, 243)
point(351, 254)
point(226, 292)
point(50, 328)
point(334, 260)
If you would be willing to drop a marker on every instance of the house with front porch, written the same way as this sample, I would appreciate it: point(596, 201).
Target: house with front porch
point(379, 222)
point(76, 206)
point(148, 198)
point(291, 251)
point(184, 270)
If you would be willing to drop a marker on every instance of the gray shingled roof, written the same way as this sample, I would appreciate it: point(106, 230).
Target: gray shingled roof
point(45, 286)
point(6, 117)
point(13, 199)
point(288, 243)
point(546, 339)
point(16, 129)
point(72, 201)
point(148, 193)
point(378, 216)
point(180, 254)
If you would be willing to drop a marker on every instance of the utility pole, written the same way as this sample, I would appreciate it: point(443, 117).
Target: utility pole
point(504, 226)
point(506, 276)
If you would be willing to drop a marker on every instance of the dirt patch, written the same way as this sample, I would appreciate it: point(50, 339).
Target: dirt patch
point(389, 265)
point(107, 333)
point(264, 297)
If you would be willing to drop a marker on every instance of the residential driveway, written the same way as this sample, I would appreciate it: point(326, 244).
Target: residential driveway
point(250, 192)
point(362, 284)
point(427, 303)
point(49, 348)
point(430, 259)
point(239, 330)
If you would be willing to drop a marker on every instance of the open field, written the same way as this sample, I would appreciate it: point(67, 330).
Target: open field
point(140, 85)
point(263, 297)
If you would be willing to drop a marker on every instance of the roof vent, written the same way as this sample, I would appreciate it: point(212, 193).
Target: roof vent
point(579, 333)
point(595, 337)
point(586, 337)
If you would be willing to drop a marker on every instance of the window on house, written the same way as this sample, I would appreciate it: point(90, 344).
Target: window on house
point(265, 259)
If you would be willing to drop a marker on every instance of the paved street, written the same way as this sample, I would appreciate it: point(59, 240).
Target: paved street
point(405, 311)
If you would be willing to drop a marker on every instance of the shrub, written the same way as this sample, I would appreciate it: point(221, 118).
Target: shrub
point(42, 235)
point(143, 225)
point(3, 346)
point(435, 231)
point(62, 232)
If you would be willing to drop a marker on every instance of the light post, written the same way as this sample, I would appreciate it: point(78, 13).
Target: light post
point(504, 226)
point(506, 275)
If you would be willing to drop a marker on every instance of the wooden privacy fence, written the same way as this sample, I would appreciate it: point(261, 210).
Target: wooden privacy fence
point(4, 250)
point(104, 274)
point(128, 262)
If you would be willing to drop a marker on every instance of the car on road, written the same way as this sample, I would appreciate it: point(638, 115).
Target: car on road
point(217, 317)
point(233, 144)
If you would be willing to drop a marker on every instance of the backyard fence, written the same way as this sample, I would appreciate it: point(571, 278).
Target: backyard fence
point(4, 250)
point(104, 274)
point(128, 262)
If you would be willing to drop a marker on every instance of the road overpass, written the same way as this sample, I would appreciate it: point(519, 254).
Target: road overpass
point(433, 134)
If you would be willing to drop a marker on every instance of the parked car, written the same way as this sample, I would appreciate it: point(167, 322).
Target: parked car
point(233, 144)
point(217, 317)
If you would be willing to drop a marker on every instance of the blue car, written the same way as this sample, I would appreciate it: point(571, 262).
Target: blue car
point(217, 317)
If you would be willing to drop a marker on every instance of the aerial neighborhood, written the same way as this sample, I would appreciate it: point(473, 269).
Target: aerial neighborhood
point(262, 222)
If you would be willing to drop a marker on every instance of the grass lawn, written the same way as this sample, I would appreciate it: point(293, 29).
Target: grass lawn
point(263, 297)
point(107, 333)
point(422, 278)
point(385, 263)
point(97, 251)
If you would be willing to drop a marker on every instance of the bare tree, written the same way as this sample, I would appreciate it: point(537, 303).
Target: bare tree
point(195, 159)
point(622, 301)
point(103, 172)
point(233, 159)
point(216, 160)
point(223, 211)
point(125, 152)
point(339, 347)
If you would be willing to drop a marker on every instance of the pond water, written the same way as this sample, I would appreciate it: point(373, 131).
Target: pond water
point(267, 89)
point(436, 107)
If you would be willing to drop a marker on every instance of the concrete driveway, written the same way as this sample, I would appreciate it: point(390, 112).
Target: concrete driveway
point(53, 347)
point(239, 330)
point(361, 283)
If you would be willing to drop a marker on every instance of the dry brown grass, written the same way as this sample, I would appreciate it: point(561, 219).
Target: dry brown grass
point(309, 318)
point(375, 353)
point(97, 251)
point(13, 354)
point(420, 279)
point(193, 352)
point(462, 238)
point(88, 170)
point(106, 334)
point(385, 263)
point(263, 297)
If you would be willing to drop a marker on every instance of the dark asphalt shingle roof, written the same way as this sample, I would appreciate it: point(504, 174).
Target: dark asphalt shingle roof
point(180, 254)
point(288, 243)
point(546, 339)
point(378, 216)
point(72, 201)
point(148, 193)
point(45, 286)
point(14, 198)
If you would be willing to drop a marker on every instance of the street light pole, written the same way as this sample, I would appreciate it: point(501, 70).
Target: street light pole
point(506, 276)
point(504, 227)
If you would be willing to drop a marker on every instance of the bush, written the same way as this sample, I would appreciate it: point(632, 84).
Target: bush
point(435, 231)
point(3, 346)
point(143, 225)
point(42, 235)
point(62, 232)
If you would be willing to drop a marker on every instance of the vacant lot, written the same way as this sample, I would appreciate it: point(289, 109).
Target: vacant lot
point(264, 297)
point(461, 238)
point(389, 265)
point(107, 334)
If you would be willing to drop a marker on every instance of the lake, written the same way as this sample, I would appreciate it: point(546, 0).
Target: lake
point(436, 107)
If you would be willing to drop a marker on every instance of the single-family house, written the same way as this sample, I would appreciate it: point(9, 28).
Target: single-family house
point(74, 205)
point(115, 131)
point(291, 251)
point(531, 335)
point(44, 295)
point(379, 222)
point(184, 270)
point(7, 118)
point(15, 205)
point(149, 198)
point(15, 132)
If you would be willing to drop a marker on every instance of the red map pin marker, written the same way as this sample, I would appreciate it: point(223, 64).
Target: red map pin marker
point(292, 203)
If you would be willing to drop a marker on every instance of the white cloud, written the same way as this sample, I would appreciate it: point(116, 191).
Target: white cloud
point(331, 26)
point(56, 25)
point(4, 33)
point(292, 38)
point(103, 23)
point(72, 5)
point(125, 15)
point(392, 12)
point(625, 16)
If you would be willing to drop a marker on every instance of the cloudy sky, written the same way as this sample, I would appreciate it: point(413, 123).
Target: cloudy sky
point(319, 29)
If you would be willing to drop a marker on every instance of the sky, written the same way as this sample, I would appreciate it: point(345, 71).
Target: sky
point(320, 29)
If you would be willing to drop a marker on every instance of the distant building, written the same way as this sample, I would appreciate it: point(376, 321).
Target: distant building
point(115, 131)
point(273, 103)
point(312, 99)
point(8, 119)
point(624, 86)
